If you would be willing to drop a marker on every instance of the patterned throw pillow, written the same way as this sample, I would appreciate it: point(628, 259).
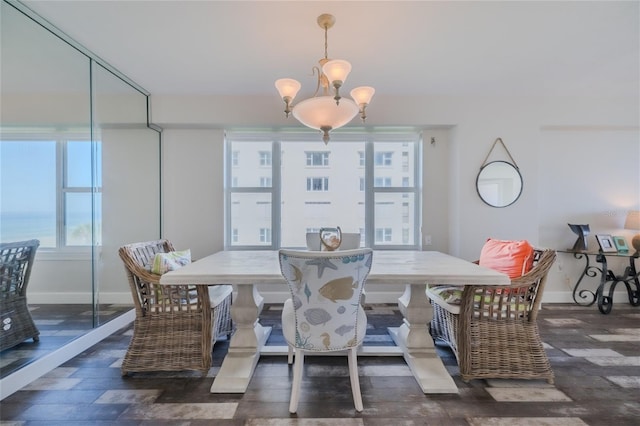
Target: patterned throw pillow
point(164, 262)
point(450, 294)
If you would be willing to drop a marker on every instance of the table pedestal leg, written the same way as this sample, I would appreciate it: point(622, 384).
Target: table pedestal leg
point(416, 342)
point(247, 340)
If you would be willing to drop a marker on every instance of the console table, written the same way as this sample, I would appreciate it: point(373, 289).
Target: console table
point(604, 298)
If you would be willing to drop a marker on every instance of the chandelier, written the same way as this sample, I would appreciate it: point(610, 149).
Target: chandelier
point(327, 111)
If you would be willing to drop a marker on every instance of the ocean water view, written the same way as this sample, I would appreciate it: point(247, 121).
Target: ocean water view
point(42, 226)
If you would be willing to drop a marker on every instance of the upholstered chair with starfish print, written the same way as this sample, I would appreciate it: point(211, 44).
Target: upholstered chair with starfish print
point(324, 313)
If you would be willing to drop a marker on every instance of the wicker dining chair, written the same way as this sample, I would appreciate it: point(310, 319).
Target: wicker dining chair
point(493, 331)
point(176, 326)
point(16, 260)
point(324, 314)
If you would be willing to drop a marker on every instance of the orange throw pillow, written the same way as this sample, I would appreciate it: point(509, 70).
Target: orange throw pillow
point(513, 258)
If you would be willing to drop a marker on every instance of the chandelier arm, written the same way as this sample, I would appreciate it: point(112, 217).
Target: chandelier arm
point(287, 104)
point(363, 113)
point(313, 72)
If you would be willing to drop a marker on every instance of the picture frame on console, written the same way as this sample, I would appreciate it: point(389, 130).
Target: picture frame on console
point(606, 243)
point(621, 244)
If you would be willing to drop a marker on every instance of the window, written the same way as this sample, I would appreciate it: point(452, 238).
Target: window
point(234, 235)
point(383, 235)
point(265, 235)
point(63, 187)
point(362, 198)
point(318, 184)
point(234, 158)
point(382, 181)
point(317, 158)
point(265, 182)
point(383, 158)
point(265, 158)
point(405, 182)
point(405, 161)
point(405, 212)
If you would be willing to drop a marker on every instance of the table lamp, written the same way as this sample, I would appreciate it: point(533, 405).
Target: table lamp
point(633, 222)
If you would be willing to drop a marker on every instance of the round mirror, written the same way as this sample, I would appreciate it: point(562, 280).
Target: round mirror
point(499, 184)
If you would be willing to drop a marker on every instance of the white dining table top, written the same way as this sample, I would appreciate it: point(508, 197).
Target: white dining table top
point(389, 267)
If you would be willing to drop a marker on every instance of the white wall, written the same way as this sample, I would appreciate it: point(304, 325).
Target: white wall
point(193, 190)
point(464, 128)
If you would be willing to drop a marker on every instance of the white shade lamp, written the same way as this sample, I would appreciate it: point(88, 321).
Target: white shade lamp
point(633, 222)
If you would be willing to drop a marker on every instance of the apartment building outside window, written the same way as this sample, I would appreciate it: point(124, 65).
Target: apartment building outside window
point(265, 235)
point(314, 186)
point(265, 182)
point(383, 235)
point(382, 181)
point(318, 184)
point(383, 158)
point(265, 158)
point(317, 158)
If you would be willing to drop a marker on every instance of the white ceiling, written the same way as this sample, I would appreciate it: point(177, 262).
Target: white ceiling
point(399, 47)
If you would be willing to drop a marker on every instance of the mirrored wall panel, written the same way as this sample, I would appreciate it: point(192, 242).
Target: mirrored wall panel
point(79, 172)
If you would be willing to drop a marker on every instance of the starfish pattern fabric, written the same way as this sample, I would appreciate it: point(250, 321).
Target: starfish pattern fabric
point(321, 264)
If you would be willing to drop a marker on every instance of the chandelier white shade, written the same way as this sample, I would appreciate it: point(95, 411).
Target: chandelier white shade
point(322, 113)
point(326, 112)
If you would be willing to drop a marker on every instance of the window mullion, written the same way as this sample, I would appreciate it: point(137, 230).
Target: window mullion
point(276, 195)
point(61, 168)
point(369, 196)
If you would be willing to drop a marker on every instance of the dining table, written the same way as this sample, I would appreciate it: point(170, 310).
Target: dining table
point(411, 270)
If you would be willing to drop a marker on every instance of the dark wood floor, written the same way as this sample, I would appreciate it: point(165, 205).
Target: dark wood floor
point(595, 357)
point(58, 324)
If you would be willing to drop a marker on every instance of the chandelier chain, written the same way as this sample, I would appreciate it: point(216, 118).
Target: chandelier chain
point(326, 28)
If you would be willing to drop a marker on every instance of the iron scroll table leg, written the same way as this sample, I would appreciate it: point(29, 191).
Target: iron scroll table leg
point(605, 303)
point(629, 278)
point(585, 297)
